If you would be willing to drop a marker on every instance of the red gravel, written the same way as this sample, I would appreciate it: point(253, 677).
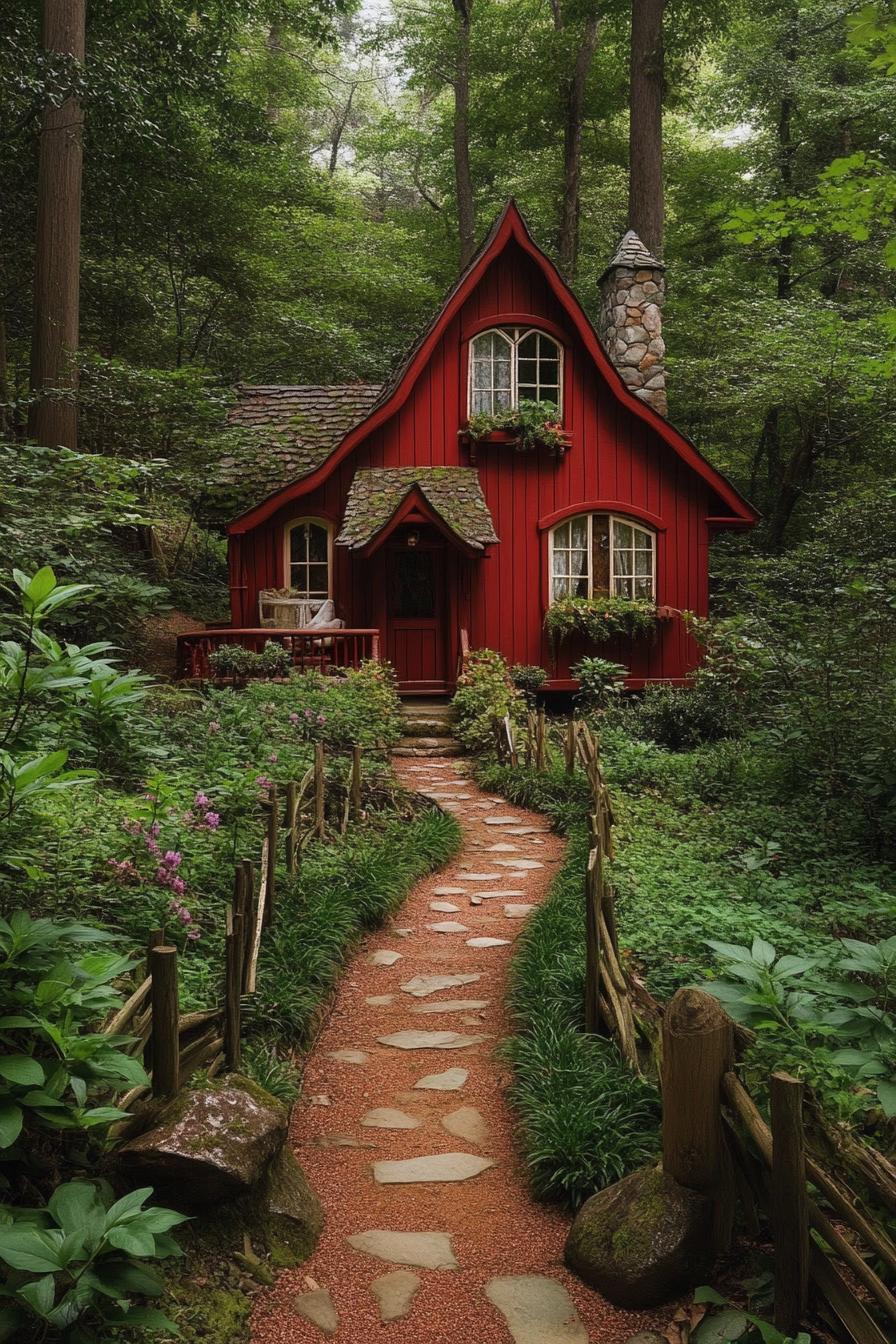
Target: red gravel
point(496, 1227)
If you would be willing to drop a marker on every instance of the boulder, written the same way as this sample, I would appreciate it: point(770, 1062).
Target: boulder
point(289, 1210)
point(641, 1241)
point(209, 1144)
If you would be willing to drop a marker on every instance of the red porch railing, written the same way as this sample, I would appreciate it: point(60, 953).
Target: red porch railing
point(319, 649)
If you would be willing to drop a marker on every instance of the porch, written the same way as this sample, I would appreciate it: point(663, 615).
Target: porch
point(307, 649)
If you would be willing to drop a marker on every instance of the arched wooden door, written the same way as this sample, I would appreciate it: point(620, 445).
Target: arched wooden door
point(417, 610)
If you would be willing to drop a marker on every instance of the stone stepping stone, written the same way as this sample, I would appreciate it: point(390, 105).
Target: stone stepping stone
point(384, 958)
point(537, 1310)
point(529, 830)
point(423, 985)
point(379, 1000)
point(518, 911)
point(348, 1056)
point(428, 1250)
point(449, 926)
point(502, 848)
point(475, 900)
point(445, 907)
point(384, 1117)
point(317, 1307)
point(449, 1081)
point(487, 942)
point(433, 1167)
point(431, 1040)
point(485, 806)
point(503, 821)
point(451, 891)
point(490, 895)
point(394, 1293)
point(320, 1100)
point(401, 933)
point(479, 877)
point(452, 1006)
point(468, 1124)
point(339, 1141)
point(519, 863)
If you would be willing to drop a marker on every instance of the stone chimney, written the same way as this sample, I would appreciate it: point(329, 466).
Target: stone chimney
point(630, 324)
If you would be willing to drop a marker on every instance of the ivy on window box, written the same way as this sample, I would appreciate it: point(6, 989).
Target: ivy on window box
point(600, 618)
point(530, 425)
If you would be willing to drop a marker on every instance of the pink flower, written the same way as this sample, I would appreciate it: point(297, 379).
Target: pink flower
point(172, 859)
point(162, 876)
point(154, 829)
point(194, 934)
point(132, 826)
point(173, 907)
point(214, 726)
point(212, 821)
point(178, 885)
point(184, 915)
point(293, 718)
point(201, 800)
point(263, 782)
point(273, 758)
point(321, 718)
point(153, 846)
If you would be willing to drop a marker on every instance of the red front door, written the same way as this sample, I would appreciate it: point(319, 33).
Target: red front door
point(416, 610)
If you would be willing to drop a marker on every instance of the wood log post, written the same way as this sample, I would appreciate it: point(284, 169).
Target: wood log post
point(273, 836)
point(356, 783)
point(233, 989)
point(165, 1015)
point(156, 939)
point(319, 789)
point(511, 740)
point(697, 1051)
point(247, 868)
point(790, 1219)
point(540, 756)
point(289, 821)
point(570, 748)
point(593, 883)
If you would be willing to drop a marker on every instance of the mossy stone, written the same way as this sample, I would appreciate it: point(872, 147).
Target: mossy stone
point(641, 1241)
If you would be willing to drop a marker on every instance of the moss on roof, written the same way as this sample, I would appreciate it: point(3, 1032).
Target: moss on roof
point(454, 493)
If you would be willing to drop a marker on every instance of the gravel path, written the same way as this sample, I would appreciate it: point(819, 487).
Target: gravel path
point(364, 1127)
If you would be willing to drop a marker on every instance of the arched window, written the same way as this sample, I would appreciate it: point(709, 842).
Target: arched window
point(513, 364)
point(308, 560)
point(597, 553)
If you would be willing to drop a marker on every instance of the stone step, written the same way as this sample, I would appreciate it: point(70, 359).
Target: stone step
point(425, 741)
point(421, 727)
point(443, 748)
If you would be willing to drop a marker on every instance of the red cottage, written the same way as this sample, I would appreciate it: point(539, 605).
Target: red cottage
point(427, 539)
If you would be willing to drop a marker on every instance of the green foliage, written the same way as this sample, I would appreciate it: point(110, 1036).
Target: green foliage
point(77, 1264)
point(533, 424)
point(733, 1323)
point(600, 619)
point(484, 692)
point(232, 660)
point(528, 678)
point(599, 681)
point(683, 717)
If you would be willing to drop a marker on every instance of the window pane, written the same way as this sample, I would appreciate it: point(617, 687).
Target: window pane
point(579, 532)
point(644, 562)
point(644, 588)
point(560, 561)
point(528, 347)
point(502, 399)
point(298, 543)
point(561, 534)
point(622, 534)
point(578, 562)
point(623, 586)
point(502, 373)
point(528, 372)
point(622, 562)
point(560, 589)
point(581, 589)
point(482, 403)
point(317, 578)
point(317, 543)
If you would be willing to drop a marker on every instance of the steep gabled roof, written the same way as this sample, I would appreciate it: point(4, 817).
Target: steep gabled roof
point(510, 226)
point(454, 494)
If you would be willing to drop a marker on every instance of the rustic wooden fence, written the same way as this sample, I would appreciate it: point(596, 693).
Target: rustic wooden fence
point(174, 1044)
point(794, 1176)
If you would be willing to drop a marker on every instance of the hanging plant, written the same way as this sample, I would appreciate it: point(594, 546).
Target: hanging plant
point(599, 619)
point(534, 424)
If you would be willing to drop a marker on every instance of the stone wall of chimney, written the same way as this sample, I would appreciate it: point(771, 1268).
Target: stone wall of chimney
point(630, 323)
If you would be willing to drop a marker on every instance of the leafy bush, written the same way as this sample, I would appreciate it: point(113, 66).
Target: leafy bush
point(528, 678)
point(599, 680)
point(599, 619)
point(76, 1264)
point(681, 717)
point(534, 424)
point(484, 692)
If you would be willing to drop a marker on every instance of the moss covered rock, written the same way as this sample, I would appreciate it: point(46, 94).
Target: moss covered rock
point(642, 1240)
point(209, 1144)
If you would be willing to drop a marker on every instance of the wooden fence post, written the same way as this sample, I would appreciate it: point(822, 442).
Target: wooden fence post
point(290, 822)
point(233, 988)
point(356, 783)
point(697, 1050)
point(273, 835)
point(593, 884)
point(165, 1018)
point(571, 731)
point(319, 787)
point(247, 870)
point(540, 757)
point(790, 1217)
point(511, 740)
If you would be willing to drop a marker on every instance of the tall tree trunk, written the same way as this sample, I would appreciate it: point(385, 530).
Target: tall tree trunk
point(466, 210)
point(274, 43)
point(53, 416)
point(568, 235)
point(645, 183)
point(787, 148)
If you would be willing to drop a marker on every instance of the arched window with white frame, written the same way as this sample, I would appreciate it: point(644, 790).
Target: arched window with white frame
point(308, 562)
point(597, 553)
point(513, 364)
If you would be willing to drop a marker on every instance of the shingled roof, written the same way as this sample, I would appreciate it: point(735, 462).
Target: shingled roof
point(454, 493)
point(297, 429)
point(633, 254)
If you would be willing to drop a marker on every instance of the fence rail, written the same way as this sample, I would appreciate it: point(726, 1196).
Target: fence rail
point(715, 1138)
point(174, 1044)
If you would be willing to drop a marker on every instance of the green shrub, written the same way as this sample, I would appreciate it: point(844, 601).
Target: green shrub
point(599, 680)
point(599, 619)
point(682, 717)
point(484, 692)
point(528, 678)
